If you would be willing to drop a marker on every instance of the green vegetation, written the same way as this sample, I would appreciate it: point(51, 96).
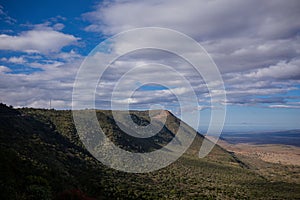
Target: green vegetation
point(41, 157)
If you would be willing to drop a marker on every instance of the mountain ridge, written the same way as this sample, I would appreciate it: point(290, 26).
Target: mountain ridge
point(43, 158)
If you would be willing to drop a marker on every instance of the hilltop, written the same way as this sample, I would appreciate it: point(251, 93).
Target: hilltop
point(43, 158)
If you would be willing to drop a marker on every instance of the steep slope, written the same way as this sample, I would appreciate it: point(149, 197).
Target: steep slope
point(42, 158)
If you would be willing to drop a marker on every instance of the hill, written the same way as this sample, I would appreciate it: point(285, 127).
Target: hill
point(41, 157)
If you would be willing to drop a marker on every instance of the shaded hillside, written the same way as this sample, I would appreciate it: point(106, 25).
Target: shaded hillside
point(42, 158)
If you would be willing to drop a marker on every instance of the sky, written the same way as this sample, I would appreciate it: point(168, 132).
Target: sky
point(255, 45)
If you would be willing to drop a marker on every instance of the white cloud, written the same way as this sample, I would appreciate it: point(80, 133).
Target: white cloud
point(68, 56)
point(255, 48)
point(254, 43)
point(284, 106)
point(237, 35)
point(41, 41)
point(17, 60)
point(4, 69)
point(282, 70)
point(58, 26)
point(204, 19)
point(36, 89)
point(192, 17)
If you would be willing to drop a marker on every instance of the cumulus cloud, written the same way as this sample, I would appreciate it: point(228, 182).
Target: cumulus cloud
point(282, 70)
point(4, 69)
point(14, 59)
point(255, 47)
point(37, 40)
point(255, 44)
point(239, 35)
point(204, 19)
point(36, 89)
point(58, 26)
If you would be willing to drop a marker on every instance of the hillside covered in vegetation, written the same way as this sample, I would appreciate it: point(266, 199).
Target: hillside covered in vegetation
point(43, 158)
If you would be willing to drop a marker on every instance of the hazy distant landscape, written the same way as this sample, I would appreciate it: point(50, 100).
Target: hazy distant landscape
point(291, 137)
point(275, 147)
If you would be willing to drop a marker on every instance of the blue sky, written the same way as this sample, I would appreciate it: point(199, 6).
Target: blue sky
point(257, 51)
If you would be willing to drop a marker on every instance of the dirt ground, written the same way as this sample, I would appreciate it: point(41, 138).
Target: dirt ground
point(273, 153)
